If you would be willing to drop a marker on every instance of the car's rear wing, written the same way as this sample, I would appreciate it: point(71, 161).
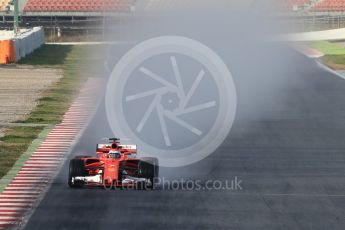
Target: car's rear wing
point(129, 149)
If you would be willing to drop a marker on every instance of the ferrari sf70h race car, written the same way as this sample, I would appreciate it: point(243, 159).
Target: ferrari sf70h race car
point(115, 165)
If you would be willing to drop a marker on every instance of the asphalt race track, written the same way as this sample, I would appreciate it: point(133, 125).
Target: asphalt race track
point(288, 149)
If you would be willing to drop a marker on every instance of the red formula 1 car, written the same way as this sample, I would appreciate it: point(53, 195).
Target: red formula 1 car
point(115, 165)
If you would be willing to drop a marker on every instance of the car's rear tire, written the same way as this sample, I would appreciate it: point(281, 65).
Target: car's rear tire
point(149, 169)
point(76, 168)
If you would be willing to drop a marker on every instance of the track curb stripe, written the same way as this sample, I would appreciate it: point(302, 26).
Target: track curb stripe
point(33, 173)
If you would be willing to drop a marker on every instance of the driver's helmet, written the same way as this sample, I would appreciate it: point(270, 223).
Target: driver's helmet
point(114, 154)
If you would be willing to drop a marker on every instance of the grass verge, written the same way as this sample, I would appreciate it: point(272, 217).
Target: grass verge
point(328, 48)
point(56, 100)
point(336, 62)
point(6, 179)
point(53, 104)
point(15, 142)
point(334, 54)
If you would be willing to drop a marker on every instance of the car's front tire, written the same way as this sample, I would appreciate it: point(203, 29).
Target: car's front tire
point(76, 168)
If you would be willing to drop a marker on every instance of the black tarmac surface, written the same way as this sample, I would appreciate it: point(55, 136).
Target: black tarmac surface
point(286, 150)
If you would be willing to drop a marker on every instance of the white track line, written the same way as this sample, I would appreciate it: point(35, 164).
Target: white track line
point(330, 70)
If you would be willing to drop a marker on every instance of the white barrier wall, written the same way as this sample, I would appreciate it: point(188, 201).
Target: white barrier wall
point(27, 41)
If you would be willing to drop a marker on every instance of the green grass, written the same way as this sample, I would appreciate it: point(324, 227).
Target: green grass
point(5, 180)
point(336, 62)
point(328, 48)
point(48, 55)
point(53, 103)
point(14, 144)
point(334, 54)
point(57, 99)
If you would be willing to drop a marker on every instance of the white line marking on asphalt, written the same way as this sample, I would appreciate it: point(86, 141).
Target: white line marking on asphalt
point(329, 70)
